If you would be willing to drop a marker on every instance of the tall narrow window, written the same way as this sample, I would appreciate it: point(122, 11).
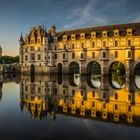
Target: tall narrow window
point(93, 44)
point(93, 54)
point(116, 54)
point(129, 42)
point(73, 55)
point(104, 54)
point(104, 43)
point(116, 96)
point(129, 54)
point(39, 57)
point(72, 45)
point(63, 55)
point(32, 48)
point(64, 46)
point(116, 43)
point(55, 56)
point(82, 45)
point(82, 55)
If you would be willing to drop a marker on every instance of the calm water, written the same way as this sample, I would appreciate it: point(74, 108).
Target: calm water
point(44, 107)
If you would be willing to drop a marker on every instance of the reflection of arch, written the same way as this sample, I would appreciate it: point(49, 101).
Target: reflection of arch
point(117, 68)
point(59, 67)
point(32, 69)
point(14, 70)
point(94, 68)
point(74, 68)
point(74, 80)
point(93, 81)
point(137, 81)
point(137, 69)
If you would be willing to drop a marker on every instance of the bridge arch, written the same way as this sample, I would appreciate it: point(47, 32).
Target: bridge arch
point(117, 73)
point(74, 68)
point(118, 68)
point(137, 69)
point(93, 68)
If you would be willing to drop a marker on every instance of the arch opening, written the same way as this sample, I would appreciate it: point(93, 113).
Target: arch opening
point(74, 68)
point(117, 73)
point(94, 68)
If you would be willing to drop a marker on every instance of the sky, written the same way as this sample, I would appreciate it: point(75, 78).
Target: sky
point(18, 16)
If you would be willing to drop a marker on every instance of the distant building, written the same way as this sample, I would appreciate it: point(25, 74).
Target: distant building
point(81, 50)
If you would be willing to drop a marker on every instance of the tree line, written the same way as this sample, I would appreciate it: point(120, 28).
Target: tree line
point(9, 59)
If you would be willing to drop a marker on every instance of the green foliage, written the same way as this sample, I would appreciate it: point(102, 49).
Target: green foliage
point(9, 59)
point(118, 69)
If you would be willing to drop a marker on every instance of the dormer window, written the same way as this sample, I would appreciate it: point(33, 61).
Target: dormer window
point(116, 32)
point(73, 37)
point(82, 36)
point(104, 34)
point(129, 32)
point(93, 35)
point(65, 38)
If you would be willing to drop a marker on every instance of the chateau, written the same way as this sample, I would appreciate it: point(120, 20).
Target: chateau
point(80, 51)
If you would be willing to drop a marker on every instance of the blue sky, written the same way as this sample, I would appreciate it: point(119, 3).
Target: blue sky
point(18, 16)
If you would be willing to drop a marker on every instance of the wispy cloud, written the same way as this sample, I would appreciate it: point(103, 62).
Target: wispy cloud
point(85, 16)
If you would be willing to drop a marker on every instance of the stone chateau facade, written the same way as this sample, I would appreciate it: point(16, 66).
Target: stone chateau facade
point(80, 50)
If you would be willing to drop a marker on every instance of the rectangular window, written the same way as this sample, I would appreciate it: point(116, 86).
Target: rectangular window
point(32, 48)
point(64, 46)
point(116, 54)
point(72, 45)
point(73, 92)
point(129, 42)
point(64, 56)
point(73, 55)
point(104, 95)
point(116, 43)
point(129, 54)
point(32, 56)
point(116, 96)
point(82, 103)
point(26, 49)
point(104, 54)
point(82, 45)
point(93, 93)
point(39, 56)
point(55, 56)
point(93, 44)
point(93, 54)
point(26, 58)
point(104, 43)
point(38, 48)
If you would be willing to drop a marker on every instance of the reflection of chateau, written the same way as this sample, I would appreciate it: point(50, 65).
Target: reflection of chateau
point(42, 95)
point(81, 50)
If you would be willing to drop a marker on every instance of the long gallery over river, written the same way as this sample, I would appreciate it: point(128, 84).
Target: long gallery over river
point(81, 50)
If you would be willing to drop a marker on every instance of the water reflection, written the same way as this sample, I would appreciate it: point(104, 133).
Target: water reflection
point(88, 97)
